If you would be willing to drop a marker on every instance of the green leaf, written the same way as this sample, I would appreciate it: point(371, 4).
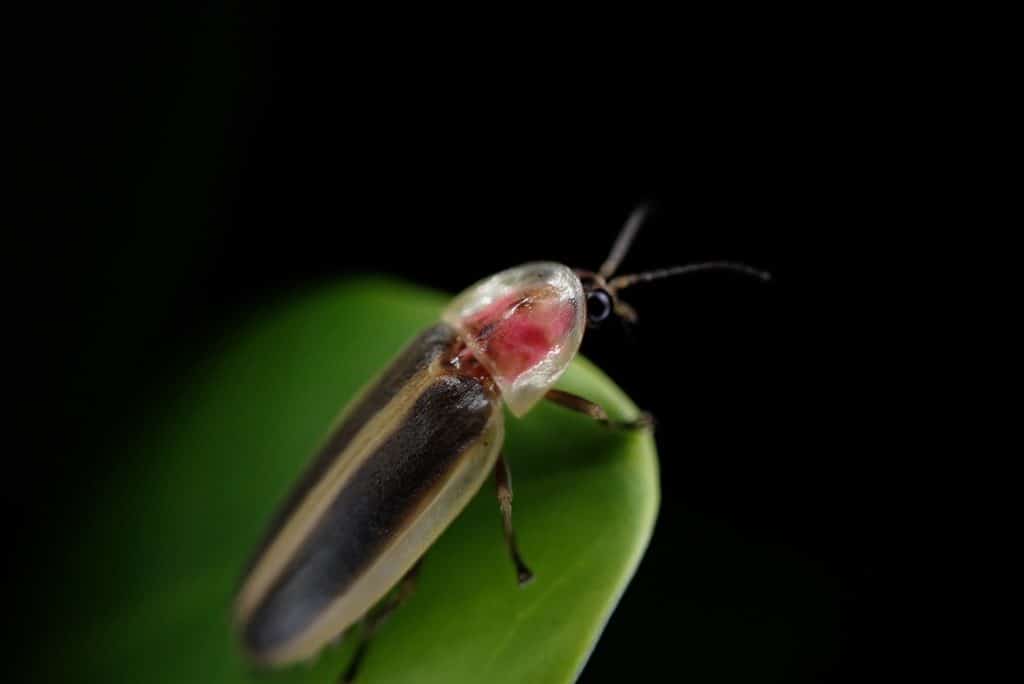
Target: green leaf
point(156, 566)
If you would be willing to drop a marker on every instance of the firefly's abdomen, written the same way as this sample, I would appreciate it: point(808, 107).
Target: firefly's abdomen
point(400, 465)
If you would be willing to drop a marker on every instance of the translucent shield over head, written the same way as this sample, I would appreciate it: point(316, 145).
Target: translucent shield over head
point(524, 325)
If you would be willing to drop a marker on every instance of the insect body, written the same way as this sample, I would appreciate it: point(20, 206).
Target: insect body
point(406, 458)
point(409, 453)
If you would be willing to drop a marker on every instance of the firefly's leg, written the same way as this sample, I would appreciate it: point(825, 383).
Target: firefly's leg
point(503, 479)
point(376, 617)
point(577, 403)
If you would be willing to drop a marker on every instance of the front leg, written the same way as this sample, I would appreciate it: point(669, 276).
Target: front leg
point(595, 411)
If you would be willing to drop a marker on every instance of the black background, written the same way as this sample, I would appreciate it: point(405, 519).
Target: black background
point(211, 161)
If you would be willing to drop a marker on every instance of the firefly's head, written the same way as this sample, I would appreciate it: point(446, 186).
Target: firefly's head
point(525, 324)
point(602, 289)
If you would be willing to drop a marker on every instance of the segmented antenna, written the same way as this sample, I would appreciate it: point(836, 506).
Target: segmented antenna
point(623, 241)
point(622, 282)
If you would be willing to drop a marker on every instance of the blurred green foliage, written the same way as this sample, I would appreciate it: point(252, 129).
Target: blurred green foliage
point(153, 573)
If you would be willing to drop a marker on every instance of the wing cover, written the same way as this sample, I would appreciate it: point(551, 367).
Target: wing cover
point(397, 469)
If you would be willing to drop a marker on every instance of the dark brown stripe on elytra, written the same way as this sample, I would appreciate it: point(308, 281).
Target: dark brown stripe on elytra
point(373, 507)
point(416, 358)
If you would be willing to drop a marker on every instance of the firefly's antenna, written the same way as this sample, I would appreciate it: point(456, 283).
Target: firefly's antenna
point(623, 241)
point(625, 281)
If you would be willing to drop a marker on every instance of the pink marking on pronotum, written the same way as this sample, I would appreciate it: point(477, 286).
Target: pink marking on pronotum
point(518, 331)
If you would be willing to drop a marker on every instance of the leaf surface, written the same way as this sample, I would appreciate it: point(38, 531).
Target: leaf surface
point(157, 563)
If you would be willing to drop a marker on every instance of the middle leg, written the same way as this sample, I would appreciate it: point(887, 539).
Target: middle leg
point(503, 480)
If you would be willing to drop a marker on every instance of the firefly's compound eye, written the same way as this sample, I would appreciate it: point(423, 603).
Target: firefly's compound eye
point(599, 306)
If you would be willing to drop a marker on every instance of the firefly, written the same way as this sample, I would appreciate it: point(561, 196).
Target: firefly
point(414, 447)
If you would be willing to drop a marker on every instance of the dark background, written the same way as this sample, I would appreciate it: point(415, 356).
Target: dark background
point(207, 162)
